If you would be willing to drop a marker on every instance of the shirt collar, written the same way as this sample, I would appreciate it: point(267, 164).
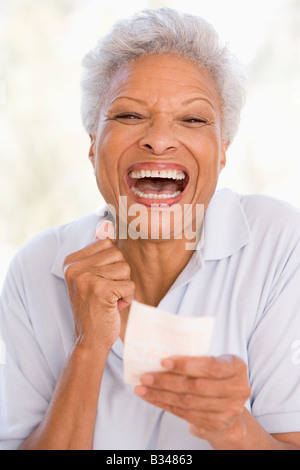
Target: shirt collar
point(74, 237)
point(226, 227)
point(225, 231)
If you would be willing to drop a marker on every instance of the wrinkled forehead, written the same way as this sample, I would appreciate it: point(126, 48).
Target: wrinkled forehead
point(166, 77)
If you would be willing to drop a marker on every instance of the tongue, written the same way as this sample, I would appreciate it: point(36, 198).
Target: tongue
point(156, 186)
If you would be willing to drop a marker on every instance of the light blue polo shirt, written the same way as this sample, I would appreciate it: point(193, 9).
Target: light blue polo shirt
point(246, 275)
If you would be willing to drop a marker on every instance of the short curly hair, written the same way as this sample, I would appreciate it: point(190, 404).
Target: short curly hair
point(163, 31)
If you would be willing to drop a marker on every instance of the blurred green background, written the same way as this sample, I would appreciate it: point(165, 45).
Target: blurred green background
point(45, 176)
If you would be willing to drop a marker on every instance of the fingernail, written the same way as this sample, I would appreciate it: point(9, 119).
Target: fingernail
point(106, 230)
point(167, 363)
point(147, 379)
point(140, 391)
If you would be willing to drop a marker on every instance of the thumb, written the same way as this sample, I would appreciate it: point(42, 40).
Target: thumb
point(124, 302)
point(105, 230)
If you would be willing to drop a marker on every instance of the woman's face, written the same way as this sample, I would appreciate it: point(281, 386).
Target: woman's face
point(159, 140)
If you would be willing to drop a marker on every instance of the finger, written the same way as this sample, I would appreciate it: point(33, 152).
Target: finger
point(194, 386)
point(118, 290)
point(93, 248)
point(74, 265)
point(221, 367)
point(180, 412)
point(125, 302)
point(106, 230)
point(204, 424)
point(183, 401)
point(191, 416)
point(115, 271)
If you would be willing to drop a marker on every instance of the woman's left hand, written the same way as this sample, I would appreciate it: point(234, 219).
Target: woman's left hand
point(208, 392)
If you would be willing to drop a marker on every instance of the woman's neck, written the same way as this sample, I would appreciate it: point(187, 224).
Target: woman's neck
point(155, 265)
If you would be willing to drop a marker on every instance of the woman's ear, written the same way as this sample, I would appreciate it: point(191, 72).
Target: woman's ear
point(223, 155)
point(92, 151)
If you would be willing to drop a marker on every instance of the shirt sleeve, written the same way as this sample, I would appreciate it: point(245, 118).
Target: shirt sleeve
point(26, 383)
point(274, 352)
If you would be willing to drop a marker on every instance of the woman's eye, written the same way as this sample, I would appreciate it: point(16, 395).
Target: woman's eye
point(194, 120)
point(128, 116)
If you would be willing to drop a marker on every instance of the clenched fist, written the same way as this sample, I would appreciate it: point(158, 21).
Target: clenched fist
point(99, 286)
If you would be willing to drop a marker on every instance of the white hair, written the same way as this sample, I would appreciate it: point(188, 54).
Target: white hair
point(163, 31)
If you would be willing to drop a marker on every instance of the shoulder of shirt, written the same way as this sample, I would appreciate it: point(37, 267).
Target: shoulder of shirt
point(44, 246)
point(272, 222)
point(269, 211)
point(253, 221)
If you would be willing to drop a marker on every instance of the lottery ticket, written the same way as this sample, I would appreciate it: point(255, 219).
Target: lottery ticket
point(153, 334)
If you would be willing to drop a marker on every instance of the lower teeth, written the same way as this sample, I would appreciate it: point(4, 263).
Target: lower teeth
point(154, 196)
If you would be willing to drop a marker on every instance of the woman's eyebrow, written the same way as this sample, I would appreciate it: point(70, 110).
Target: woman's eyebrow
point(137, 100)
point(184, 103)
point(198, 98)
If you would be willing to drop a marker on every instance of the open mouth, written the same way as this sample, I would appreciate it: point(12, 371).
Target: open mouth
point(156, 183)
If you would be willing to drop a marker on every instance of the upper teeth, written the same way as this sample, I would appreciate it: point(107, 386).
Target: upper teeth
point(174, 174)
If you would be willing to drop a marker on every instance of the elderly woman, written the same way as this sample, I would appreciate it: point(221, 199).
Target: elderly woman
point(161, 103)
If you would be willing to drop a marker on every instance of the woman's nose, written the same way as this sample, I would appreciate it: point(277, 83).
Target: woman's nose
point(159, 138)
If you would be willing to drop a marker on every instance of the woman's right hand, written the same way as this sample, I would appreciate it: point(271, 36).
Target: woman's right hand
point(99, 286)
